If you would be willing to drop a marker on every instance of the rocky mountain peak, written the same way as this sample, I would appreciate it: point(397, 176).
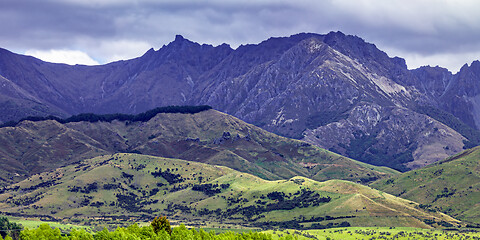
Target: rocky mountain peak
point(180, 43)
point(475, 66)
point(179, 37)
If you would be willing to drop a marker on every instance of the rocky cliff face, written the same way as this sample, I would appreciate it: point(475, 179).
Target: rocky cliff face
point(390, 136)
point(334, 90)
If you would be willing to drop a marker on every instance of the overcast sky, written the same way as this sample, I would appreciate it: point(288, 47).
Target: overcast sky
point(424, 32)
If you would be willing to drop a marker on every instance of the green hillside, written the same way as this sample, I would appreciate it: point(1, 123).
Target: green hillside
point(137, 187)
point(208, 136)
point(451, 186)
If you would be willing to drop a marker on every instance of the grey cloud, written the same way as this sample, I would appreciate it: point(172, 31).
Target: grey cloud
point(426, 27)
point(45, 24)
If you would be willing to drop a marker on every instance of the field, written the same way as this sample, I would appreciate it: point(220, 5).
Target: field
point(376, 233)
point(34, 223)
point(325, 234)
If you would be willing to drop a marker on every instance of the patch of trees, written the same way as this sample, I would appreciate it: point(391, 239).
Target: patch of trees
point(171, 178)
point(329, 225)
point(92, 187)
point(9, 228)
point(440, 223)
point(6, 189)
point(126, 175)
point(178, 188)
point(445, 193)
point(472, 225)
point(148, 202)
point(85, 201)
point(80, 166)
point(280, 196)
point(368, 179)
point(128, 201)
point(91, 117)
point(97, 204)
point(235, 200)
point(154, 191)
point(427, 207)
point(320, 218)
point(205, 211)
point(293, 224)
point(301, 199)
point(27, 200)
point(110, 186)
point(136, 151)
point(390, 181)
point(140, 167)
point(210, 189)
point(438, 172)
point(40, 185)
point(161, 223)
point(173, 207)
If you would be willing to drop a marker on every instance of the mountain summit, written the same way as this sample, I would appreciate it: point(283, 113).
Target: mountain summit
point(335, 90)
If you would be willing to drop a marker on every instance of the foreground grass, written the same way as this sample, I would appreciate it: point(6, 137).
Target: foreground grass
point(38, 229)
point(375, 233)
point(32, 224)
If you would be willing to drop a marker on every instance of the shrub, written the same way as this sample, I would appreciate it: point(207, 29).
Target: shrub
point(161, 223)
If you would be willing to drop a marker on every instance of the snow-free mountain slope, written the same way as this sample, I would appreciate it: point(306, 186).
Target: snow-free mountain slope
point(333, 90)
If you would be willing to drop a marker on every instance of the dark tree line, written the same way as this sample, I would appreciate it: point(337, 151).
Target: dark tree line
point(210, 189)
point(92, 117)
point(171, 178)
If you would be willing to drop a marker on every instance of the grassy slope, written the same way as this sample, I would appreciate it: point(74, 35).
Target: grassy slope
point(136, 193)
point(209, 136)
point(34, 147)
point(217, 138)
point(451, 186)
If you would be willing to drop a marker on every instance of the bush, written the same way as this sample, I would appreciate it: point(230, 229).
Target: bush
point(161, 223)
point(8, 228)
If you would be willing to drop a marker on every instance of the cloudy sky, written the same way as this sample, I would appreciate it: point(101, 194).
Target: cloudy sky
point(424, 32)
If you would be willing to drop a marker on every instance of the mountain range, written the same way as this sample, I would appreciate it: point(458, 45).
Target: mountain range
point(334, 90)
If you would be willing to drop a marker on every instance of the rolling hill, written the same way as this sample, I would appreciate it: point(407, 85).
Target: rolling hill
point(208, 136)
point(135, 187)
point(451, 186)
